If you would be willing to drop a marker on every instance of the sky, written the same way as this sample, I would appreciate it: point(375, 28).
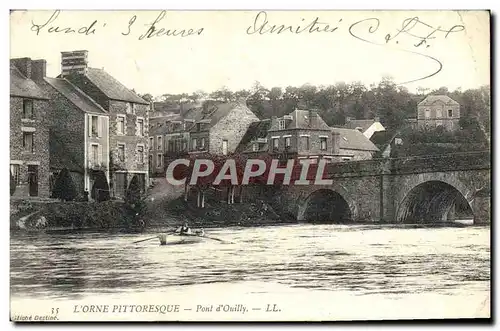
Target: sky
point(235, 48)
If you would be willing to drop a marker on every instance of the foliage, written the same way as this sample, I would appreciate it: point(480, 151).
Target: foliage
point(12, 184)
point(64, 188)
point(135, 203)
point(100, 189)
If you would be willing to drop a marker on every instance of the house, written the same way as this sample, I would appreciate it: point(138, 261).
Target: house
point(79, 131)
point(367, 127)
point(352, 145)
point(254, 141)
point(300, 134)
point(29, 131)
point(219, 127)
point(438, 110)
point(386, 142)
point(128, 119)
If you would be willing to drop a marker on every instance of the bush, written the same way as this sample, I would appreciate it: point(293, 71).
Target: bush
point(100, 189)
point(64, 188)
point(134, 201)
point(12, 184)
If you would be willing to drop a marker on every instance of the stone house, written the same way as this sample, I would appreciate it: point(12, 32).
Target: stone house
point(438, 110)
point(29, 131)
point(300, 134)
point(79, 131)
point(219, 127)
point(367, 127)
point(351, 145)
point(128, 120)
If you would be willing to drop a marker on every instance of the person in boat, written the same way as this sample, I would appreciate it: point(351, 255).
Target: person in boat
point(184, 229)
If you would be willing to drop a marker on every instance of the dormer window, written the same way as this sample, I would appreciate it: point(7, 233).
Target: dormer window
point(255, 147)
point(281, 125)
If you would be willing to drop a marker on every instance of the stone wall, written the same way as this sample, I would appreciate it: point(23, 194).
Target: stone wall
point(40, 154)
point(231, 128)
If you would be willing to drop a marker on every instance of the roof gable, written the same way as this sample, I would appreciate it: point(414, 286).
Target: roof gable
point(23, 87)
point(111, 87)
point(363, 124)
point(255, 130)
point(304, 119)
point(353, 139)
point(75, 95)
point(432, 99)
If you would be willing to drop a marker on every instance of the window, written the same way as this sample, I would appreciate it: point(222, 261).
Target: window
point(322, 141)
point(276, 143)
point(427, 113)
point(158, 143)
point(159, 160)
point(202, 143)
point(95, 154)
point(305, 142)
point(194, 143)
point(28, 141)
point(287, 142)
point(120, 124)
point(28, 109)
point(151, 143)
point(198, 127)
point(94, 126)
point(140, 153)
point(170, 147)
point(255, 147)
point(450, 113)
point(281, 124)
point(121, 152)
point(130, 108)
point(224, 147)
point(140, 127)
point(15, 170)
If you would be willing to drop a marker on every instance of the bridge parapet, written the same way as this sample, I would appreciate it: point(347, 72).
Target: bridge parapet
point(446, 162)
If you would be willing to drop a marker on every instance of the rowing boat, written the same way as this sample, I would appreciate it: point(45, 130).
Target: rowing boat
point(175, 239)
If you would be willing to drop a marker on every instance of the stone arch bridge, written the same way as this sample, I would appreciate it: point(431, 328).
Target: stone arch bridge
point(409, 190)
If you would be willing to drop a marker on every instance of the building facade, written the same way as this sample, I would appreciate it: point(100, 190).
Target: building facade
point(438, 110)
point(29, 132)
point(128, 120)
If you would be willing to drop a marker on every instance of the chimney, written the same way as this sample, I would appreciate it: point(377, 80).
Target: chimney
point(335, 143)
point(377, 119)
point(23, 65)
point(151, 106)
point(274, 121)
point(74, 62)
point(38, 69)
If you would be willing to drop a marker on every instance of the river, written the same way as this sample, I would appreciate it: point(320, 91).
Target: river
point(291, 272)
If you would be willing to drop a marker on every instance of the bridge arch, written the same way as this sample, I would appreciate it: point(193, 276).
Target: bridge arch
point(435, 200)
point(327, 205)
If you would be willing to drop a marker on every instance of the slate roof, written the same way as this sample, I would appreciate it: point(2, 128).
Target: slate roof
point(20, 86)
point(382, 139)
point(301, 120)
point(430, 99)
point(59, 156)
point(214, 112)
point(255, 130)
point(363, 124)
point(111, 87)
point(75, 95)
point(353, 139)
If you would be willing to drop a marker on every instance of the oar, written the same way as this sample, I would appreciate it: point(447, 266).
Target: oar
point(155, 237)
point(221, 240)
point(138, 241)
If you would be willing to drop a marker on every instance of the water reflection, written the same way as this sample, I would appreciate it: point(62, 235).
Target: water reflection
point(362, 259)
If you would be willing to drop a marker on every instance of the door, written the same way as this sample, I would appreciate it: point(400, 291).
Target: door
point(33, 180)
point(224, 147)
point(120, 184)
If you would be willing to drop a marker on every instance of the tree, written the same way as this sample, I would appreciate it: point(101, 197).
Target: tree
point(100, 189)
point(148, 97)
point(12, 184)
point(134, 200)
point(64, 188)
